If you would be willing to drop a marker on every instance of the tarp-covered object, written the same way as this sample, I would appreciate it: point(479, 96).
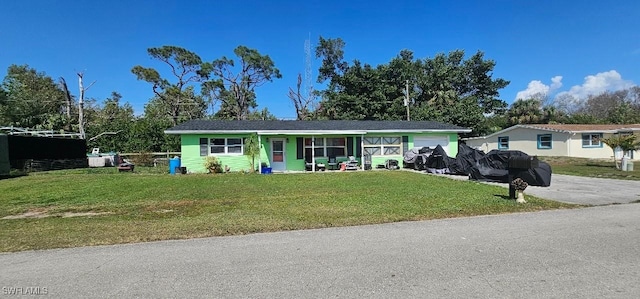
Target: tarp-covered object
point(438, 161)
point(465, 160)
point(494, 167)
point(416, 157)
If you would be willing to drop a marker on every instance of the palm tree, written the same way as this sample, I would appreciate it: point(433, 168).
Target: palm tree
point(525, 112)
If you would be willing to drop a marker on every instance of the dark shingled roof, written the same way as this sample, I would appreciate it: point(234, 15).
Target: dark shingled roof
point(315, 125)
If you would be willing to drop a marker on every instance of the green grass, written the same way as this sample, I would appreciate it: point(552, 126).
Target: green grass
point(591, 168)
point(146, 206)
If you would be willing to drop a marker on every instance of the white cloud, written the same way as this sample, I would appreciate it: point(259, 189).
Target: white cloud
point(537, 89)
point(597, 84)
point(556, 83)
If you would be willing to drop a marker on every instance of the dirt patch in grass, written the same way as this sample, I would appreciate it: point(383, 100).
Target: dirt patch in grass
point(42, 213)
point(38, 213)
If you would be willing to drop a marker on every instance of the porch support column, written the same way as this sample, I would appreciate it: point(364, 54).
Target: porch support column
point(260, 152)
point(313, 153)
point(362, 151)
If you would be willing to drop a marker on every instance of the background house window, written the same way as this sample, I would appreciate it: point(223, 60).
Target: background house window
point(226, 146)
point(544, 141)
point(382, 146)
point(326, 147)
point(592, 140)
point(503, 142)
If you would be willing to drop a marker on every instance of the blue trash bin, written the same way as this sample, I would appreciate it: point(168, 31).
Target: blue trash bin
point(173, 164)
point(265, 170)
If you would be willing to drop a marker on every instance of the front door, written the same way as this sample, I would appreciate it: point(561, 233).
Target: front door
point(278, 155)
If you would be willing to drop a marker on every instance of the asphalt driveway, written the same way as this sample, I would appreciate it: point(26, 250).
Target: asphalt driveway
point(588, 191)
point(582, 190)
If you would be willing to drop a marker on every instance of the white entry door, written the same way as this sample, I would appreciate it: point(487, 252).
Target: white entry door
point(278, 154)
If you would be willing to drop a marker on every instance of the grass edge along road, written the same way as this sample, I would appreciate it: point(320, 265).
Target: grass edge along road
point(115, 208)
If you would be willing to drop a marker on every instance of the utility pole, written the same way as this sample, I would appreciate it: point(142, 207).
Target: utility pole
point(81, 104)
point(406, 99)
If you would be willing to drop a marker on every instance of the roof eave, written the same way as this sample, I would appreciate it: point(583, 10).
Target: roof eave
point(313, 132)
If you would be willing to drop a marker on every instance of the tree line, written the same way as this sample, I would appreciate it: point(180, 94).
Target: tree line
point(449, 87)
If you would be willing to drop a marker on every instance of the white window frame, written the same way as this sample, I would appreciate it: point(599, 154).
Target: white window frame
point(323, 145)
point(383, 144)
point(226, 146)
point(589, 137)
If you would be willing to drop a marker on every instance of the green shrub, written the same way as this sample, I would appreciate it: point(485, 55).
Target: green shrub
point(212, 164)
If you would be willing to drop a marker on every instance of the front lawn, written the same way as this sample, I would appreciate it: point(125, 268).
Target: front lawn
point(91, 207)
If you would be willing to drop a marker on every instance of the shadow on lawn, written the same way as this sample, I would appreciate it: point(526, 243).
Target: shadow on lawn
point(12, 176)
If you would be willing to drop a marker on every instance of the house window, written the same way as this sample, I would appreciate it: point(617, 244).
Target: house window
point(592, 140)
point(544, 141)
point(382, 146)
point(232, 146)
point(503, 142)
point(204, 146)
point(326, 147)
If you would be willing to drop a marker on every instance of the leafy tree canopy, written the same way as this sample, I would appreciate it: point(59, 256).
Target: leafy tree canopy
point(447, 87)
point(31, 99)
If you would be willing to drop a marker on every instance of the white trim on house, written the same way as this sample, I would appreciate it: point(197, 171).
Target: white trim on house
point(308, 132)
point(566, 140)
point(534, 127)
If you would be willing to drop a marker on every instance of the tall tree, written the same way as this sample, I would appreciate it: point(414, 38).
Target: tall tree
point(237, 86)
point(187, 68)
point(32, 99)
point(444, 88)
point(194, 108)
point(304, 104)
point(619, 107)
point(332, 53)
point(110, 128)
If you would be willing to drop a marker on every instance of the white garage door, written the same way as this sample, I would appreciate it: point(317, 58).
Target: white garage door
point(432, 142)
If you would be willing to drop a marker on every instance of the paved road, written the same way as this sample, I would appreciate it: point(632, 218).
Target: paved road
point(582, 190)
point(591, 252)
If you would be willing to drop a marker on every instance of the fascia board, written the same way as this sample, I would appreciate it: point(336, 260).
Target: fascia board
point(306, 132)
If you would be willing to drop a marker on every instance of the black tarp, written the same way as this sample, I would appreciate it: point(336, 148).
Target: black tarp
point(465, 160)
point(438, 161)
point(494, 167)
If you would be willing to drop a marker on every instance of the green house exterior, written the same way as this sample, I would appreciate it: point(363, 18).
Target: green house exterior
point(284, 145)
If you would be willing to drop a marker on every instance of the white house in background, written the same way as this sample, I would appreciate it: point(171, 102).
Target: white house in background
point(582, 141)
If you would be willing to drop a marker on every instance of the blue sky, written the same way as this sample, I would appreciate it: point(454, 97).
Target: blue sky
point(557, 47)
